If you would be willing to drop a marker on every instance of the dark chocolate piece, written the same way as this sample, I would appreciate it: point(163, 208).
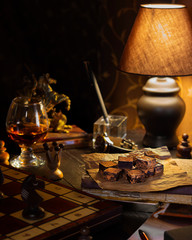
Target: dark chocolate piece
point(149, 172)
point(112, 174)
point(145, 162)
point(103, 165)
point(135, 176)
point(125, 162)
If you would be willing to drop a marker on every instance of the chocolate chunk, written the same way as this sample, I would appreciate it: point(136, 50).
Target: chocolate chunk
point(112, 174)
point(125, 162)
point(145, 162)
point(103, 165)
point(149, 172)
point(135, 175)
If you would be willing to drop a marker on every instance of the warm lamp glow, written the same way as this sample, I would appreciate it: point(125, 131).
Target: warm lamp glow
point(160, 43)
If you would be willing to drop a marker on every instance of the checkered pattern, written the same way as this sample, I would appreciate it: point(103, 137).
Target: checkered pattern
point(66, 210)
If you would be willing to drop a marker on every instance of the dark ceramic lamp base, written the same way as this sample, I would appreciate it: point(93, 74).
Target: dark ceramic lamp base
point(161, 110)
point(157, 141)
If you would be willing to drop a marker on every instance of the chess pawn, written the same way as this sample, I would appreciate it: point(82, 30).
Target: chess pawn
point(4, 156)
point(184, 148)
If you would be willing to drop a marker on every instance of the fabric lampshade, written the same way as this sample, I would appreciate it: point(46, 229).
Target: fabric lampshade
point(160, 43)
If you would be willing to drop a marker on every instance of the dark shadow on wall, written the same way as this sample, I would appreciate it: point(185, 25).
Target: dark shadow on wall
point(56, 37)
point(50, 37)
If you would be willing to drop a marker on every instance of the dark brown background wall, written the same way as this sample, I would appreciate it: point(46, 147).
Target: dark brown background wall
point(40, 36)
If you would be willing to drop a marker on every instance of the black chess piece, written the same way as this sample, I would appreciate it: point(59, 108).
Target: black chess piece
point(184, 148)
point(85, 234)
point(28, 193)
point(1, 182)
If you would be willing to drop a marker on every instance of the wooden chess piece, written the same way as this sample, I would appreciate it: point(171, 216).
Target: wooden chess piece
point(184, 148)
point(32, 199)
point(85, 234)
point(53, 160)
point(4, 156)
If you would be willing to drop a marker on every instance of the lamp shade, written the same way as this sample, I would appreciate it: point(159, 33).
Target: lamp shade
point(160, 43)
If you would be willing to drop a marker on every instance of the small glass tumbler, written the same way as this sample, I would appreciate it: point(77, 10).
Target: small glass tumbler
point(117, 127)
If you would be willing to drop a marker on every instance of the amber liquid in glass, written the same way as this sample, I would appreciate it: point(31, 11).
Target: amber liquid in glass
point(27, 134)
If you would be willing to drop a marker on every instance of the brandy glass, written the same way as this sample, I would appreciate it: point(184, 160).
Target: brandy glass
point(26, 124)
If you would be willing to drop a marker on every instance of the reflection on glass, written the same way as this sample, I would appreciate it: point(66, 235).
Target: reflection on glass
point(26, 124)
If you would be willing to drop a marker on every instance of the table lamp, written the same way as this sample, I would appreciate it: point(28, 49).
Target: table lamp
point(160, 46)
